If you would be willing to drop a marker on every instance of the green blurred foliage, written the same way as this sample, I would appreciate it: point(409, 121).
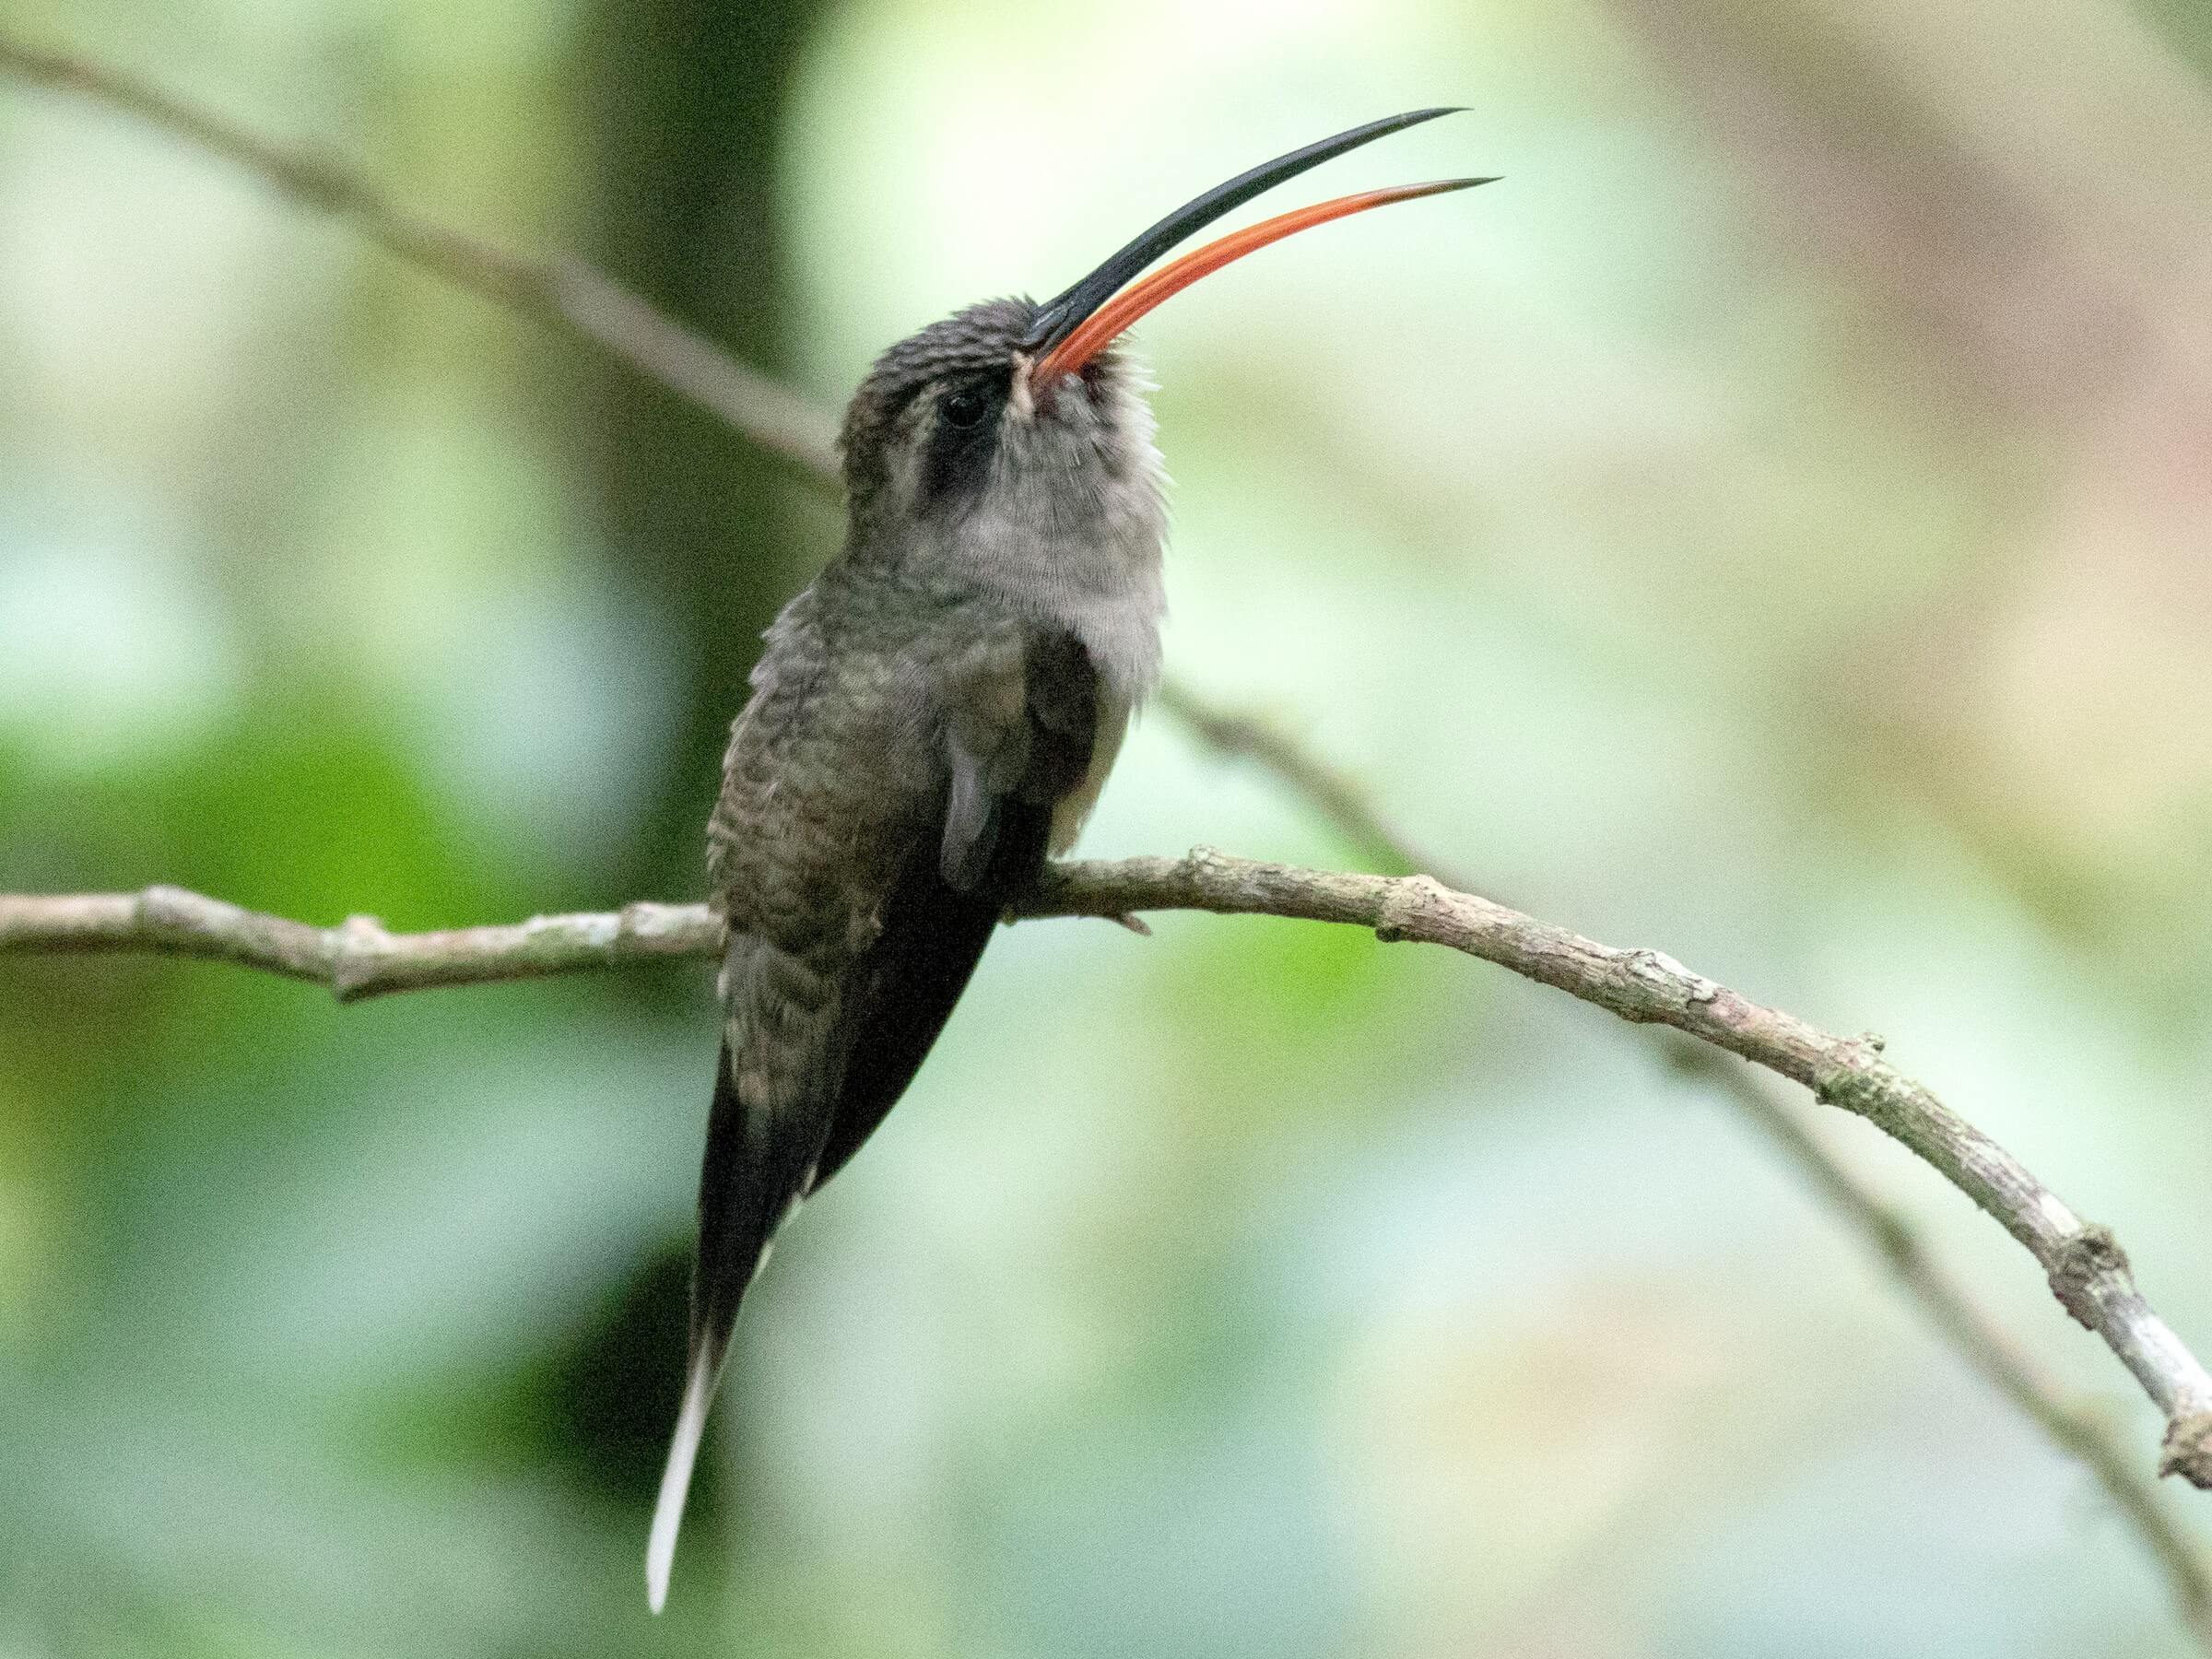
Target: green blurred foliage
point(1770, 526)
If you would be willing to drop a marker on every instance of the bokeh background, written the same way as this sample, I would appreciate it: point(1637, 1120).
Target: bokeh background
point(1771, 526)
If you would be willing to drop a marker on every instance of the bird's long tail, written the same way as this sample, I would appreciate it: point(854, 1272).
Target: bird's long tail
point(808, 1099)
point(675, 1479)
point(760, 1162)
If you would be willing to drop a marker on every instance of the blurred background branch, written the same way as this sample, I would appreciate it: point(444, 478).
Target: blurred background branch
point(1977, 1337)
point(564, 291)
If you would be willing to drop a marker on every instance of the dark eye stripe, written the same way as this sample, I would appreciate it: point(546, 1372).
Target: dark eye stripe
point(962, 441)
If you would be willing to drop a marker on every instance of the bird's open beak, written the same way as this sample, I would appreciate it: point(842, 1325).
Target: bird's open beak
point(1073, 327)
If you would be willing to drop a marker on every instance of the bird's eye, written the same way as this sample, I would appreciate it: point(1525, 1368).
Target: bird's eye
point(965, 409)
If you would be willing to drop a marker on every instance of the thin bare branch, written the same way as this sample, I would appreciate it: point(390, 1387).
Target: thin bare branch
point(358, 957)
point(1979, 1340)
point(2086, 1267)
point(561, 290)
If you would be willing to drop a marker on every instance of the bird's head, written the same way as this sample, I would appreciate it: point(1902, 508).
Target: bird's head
point(1013, 421)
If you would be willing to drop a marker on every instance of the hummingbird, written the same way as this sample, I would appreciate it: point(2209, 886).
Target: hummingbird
point(930, 718)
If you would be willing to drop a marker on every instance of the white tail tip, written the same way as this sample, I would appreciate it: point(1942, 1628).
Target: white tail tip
point(675, 1482)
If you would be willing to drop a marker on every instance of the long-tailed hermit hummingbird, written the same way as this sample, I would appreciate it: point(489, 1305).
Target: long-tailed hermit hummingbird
point(932, 718)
